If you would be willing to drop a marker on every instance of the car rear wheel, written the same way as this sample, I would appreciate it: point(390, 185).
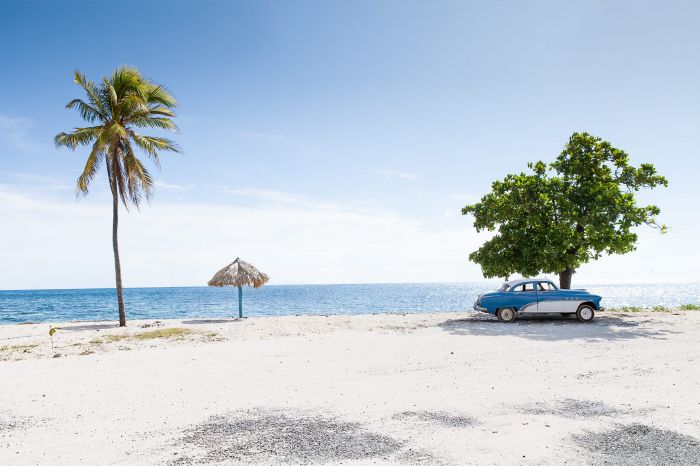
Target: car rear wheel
point(585, 313)
point(506, 314)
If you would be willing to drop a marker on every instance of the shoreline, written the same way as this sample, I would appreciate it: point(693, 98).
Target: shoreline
point(614, 310)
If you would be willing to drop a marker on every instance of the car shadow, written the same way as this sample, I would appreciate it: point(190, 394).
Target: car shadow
point(556, 328)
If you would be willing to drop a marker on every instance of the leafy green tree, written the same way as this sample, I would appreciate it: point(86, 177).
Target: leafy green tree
point(558, 217)
point(117, 107)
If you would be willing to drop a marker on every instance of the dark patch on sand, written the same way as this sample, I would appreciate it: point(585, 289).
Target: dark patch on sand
point(9, 423)
point(571, 408)
point(438, 417)
point(274, 437)
point(638, 445)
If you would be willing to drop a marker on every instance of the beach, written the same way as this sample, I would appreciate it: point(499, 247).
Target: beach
point(432, 388)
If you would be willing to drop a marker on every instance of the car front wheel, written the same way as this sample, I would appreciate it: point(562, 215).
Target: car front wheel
point(585, 313)
point(506, 314)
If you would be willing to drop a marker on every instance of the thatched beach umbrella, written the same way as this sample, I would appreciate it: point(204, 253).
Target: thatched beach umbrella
point(239, 273)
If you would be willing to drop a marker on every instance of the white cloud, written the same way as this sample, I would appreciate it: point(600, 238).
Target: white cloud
point(172, 186)
point(37, 182)
point(396, 175)
point(183, 244)
point(268, 195)
point(52, 243)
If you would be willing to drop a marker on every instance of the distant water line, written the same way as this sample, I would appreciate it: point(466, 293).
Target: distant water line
point(279, 300)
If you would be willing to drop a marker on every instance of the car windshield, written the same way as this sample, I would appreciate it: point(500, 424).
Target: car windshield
point(504, 287)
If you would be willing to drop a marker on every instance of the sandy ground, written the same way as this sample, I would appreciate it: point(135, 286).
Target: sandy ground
point(447, 388)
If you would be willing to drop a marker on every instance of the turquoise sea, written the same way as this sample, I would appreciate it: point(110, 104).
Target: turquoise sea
point(278, 300)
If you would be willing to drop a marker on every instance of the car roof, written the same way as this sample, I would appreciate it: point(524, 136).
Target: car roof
point(513, 283)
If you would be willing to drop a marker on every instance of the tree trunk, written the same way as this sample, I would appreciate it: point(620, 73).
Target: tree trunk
point(111, 173)
point(117, 264)
point(565, 278)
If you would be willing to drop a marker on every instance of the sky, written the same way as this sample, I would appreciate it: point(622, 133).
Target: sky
point(336, 142)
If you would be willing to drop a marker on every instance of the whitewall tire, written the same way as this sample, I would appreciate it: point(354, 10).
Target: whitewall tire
point(506, 314)
point(585, 313)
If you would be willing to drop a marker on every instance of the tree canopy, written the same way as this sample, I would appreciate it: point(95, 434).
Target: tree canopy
point(562, 215)
point(117, 107)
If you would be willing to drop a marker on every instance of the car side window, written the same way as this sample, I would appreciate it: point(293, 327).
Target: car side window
point(544, 286)
point(525, 287)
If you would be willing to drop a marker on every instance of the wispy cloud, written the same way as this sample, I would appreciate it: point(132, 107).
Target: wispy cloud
point(271, 195)
point(183, 243)
point(15, 131)
point(172, 186)
point(171, 243)
point(36, 181)
point(396, 175)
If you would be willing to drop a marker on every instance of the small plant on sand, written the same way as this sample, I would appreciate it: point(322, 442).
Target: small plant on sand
point(113, 338)
point(176, 333)
point(660, 309)
point(690, 307)
point(163, 333)
point(7, 351)
point(52, 331)
point(17, 348)
point(631, 309)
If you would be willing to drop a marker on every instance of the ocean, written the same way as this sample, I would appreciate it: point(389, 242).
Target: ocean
point(279, 300)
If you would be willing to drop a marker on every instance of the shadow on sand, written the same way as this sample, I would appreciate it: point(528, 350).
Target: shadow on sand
point(78, 328)
point(556, 328)
point(211, 321)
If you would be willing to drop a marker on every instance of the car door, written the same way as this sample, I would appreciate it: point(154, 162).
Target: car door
point(548, 299)
point(525, 297)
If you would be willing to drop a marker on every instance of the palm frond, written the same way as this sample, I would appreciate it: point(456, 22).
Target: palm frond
point(111, 94)
point(94, 95)
point(79, 136)
point(154, 122)
point(151, 145)
point(139, 180)
point(87, 111)
point(160, 110)
point(119, 177)
point(90, 170)
point(158, 94)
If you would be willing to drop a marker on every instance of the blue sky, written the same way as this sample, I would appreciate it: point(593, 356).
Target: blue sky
point(337, 141)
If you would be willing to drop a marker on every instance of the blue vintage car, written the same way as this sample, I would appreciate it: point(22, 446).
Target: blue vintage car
point(537, 295)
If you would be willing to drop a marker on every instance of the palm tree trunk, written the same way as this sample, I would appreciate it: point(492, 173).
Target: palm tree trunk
point(111, 173)
point(117, 264)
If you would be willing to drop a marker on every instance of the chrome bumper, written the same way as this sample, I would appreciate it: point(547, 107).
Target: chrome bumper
point(479, 308)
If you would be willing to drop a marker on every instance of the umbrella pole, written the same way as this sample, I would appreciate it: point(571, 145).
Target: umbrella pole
point(240, 302)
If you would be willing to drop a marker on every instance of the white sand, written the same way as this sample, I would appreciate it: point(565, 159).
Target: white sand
point(333, 390)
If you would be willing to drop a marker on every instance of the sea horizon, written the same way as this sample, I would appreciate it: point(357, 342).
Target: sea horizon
point(70, 304)
point(575, 285)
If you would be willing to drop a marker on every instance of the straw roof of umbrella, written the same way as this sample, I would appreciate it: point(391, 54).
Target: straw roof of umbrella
point(239, 273)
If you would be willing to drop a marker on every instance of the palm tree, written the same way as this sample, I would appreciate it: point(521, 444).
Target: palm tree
point(117, 106)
